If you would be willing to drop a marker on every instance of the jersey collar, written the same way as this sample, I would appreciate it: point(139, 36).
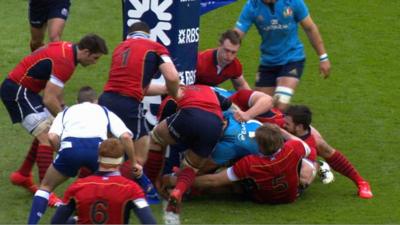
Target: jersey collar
point(75, 53)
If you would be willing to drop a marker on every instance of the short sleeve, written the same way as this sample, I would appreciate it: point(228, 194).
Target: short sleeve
point(241, 168)
point(300, 10)
point(57, 126)
point(63, 69)
point(246, 17)
point(242, 98)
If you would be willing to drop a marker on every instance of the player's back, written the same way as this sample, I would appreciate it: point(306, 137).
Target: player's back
point(102, 199)
point(237, 140)
point(202, 97)
point(134, 63)
point(276, 176)
point(85, 120)
point(56, 58)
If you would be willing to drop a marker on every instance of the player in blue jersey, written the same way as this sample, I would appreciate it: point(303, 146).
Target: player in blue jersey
point(237, 140)
point(282, 54)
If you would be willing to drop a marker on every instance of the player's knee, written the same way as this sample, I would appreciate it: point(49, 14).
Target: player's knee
point(283, 95)
point(37, 123)
point(324, 150)
point(54, 37)
point(307, 172)
point(156, 138)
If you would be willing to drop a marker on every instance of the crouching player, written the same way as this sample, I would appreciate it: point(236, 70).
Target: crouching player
point(105, 197)
point(270, 177)
point(200, 107)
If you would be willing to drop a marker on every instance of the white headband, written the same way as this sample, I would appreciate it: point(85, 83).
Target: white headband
point(109, 160)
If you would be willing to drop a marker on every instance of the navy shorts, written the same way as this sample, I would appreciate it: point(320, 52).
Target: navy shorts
point(40, 11)
point(199, 130)
point(20, 101)
point(75, 153)
point(268, 75)
point(129, 110)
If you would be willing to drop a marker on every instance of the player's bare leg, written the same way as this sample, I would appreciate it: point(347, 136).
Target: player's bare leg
point(37, 37)
point(55, 29)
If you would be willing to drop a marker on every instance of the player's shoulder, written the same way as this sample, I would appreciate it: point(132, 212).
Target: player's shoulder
point(206, 55)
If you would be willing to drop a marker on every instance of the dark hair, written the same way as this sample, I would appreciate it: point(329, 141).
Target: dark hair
point(86, 94)
point(139, 26)
point(300, 114)
point(94, 43)
point(232, 36)
point(269, 138)
point(111, 148)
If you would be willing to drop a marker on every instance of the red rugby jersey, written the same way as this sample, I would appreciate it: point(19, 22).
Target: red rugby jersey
point(102, 199)
point(276, 176)
point(135, 62)
point(202, 97)
point(207, 71)
point(56, 59)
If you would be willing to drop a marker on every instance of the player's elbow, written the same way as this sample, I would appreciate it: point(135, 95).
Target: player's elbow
point(126, 136)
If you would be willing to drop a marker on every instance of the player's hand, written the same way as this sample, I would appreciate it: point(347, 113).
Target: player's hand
point(325, 68)
point(241, 116)
point(137, 170)
point(179, 93)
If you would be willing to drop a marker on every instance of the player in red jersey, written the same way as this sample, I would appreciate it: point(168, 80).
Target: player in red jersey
point(272, 177)
point(106, 197)
point(256, 105)
point(45, 70)
point(200, 107)
point(135, 62)
point(298, 122)
point(217, 65)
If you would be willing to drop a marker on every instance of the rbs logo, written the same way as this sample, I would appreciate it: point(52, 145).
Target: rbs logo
point(187, 36)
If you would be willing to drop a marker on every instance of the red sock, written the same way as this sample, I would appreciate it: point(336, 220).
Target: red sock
point(153, 164)
point(44, 159)
point(126, 169)
point(185, 179)
point(26, 167)
point(342, 165)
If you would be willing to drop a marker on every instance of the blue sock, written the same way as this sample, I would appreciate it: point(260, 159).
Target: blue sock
point(149, 189)
point(39, 206)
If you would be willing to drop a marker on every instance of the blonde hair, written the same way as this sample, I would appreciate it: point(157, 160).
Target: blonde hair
point(269, 138)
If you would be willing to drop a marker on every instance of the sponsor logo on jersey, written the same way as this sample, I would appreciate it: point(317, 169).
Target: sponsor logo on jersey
point(287, 12)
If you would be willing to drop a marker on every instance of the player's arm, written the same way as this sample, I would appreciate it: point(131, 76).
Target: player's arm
point(312, 32)
point(55, 131)
point(259, 103)
point(171, 76)
point(213, 180)
point(240, 83)
point(143, 211)
point(156, 89)
point(63, 213)
point(52, 97)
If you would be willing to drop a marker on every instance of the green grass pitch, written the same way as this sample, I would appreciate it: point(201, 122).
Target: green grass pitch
point(356, 109)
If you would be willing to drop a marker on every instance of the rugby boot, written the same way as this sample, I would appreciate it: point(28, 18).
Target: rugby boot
point(26, 182)
point(54, 201)
point(174, 201)
point(364, 190)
